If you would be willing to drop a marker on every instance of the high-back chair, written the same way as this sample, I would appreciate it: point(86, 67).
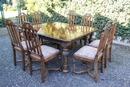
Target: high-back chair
point(37, 52)
point(71, 17)
point(95, 43)
point(92, 54)
point(36, 20)
point(71, 20)
point(17, 44)
point(87, 23)
point(21, 18)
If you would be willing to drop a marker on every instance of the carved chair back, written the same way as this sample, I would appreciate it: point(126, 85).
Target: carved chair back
point(112, 31)
point(71, 17)
point(87, 21)
point(13, 33)
point(104, 39)
point(31, 38)
point(21, 18)
point(36, 20)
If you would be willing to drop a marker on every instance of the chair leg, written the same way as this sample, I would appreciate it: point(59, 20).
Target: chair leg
point(74, 66)
point(102, 64)
point(14, 53)
point(72, 46)
point(85, 40)
point(96, 71)
point(59, 62)
point(23, 61)
point(42, 42)
point(110, 54)
point(42, 70)
point(105, 58)
point(30, 65)
point(80, 42)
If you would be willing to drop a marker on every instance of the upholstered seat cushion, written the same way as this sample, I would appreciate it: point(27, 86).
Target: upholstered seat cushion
point(95, 43)
point(17, 47)
point(47, 51)
point(86, 52)
point(24, 45)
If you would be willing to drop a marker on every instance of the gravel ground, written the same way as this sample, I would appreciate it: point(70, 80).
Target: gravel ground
point(117, 73)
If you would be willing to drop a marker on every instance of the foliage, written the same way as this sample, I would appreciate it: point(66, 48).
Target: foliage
point(1, 22)
point(11, 5)
point(99, 22)
point(102, 10)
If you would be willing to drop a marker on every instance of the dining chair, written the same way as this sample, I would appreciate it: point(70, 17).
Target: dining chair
point(17, 44)
point(36, 20)
point(92, 54)
point(95, 43)
point(86, 24)
point(71, 21)
point(37, 23)
point(71, 17)
point(21, 18)
point(37, 52)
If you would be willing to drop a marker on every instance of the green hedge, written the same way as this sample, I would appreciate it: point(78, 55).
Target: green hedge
point(102, 10)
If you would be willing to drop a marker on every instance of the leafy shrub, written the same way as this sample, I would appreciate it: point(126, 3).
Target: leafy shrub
point(103, 11)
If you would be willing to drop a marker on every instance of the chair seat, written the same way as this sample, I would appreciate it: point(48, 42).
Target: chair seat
point(95, 43)
point(86, 52)
point(47, 51)
point(19, 48)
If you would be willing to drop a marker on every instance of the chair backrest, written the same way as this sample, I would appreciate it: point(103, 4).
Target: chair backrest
point(36, 20)
point(104, 38)
point(112, 31)
point(21, 18)
point(31, 38)
point(87, 21)
point(71, 17)
point(13, 33)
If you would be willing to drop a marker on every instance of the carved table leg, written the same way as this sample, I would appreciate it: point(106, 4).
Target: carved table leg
point(65, 55)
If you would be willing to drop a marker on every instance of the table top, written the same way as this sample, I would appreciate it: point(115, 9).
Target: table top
point(59, 30)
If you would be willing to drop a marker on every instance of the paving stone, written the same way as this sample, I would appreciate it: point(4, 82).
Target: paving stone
point(117, 73)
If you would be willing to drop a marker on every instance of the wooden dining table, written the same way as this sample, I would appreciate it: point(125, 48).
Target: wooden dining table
point(64, 35)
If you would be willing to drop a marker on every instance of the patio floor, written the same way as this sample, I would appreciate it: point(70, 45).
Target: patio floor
point(117, 73)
